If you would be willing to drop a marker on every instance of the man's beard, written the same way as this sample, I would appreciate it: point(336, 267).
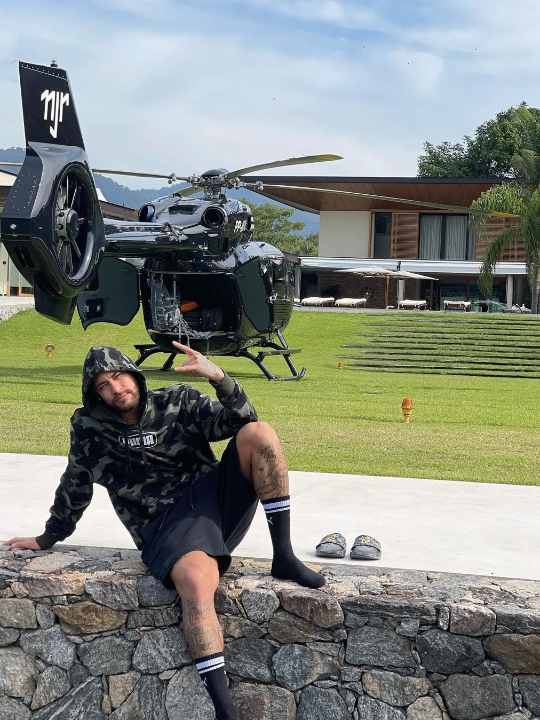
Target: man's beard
point(129, 401)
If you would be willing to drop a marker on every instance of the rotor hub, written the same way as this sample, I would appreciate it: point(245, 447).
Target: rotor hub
point(67, 225)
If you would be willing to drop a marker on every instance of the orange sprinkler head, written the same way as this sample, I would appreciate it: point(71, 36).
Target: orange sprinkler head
point(406, 408)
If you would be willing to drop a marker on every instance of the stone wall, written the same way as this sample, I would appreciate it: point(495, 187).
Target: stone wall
point(86, 633)
point(8, 308)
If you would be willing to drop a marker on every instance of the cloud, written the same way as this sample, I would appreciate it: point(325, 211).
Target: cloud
point(333, 12)
point(183, 86)
point(421, 71)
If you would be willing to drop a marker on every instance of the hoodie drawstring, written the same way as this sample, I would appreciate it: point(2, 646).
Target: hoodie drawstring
point(143, 451)
point(128, 454)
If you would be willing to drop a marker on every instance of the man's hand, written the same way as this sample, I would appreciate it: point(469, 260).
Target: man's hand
point(198, 365)
point(23, 542)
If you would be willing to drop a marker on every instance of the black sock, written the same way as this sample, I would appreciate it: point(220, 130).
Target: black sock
point(212, 672)
point(286, 566)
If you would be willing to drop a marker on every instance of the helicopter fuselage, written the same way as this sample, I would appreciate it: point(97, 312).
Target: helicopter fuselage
point(203, 279)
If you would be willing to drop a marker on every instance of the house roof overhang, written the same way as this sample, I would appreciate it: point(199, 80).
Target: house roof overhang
point(436, 268)
point(448, 191)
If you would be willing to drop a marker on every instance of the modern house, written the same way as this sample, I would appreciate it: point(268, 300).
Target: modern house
point(357, 231)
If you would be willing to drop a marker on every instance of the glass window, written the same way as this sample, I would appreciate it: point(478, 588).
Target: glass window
point(446, 237)
point(382, 234)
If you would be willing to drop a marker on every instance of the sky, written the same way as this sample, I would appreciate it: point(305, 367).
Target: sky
point(186, 85)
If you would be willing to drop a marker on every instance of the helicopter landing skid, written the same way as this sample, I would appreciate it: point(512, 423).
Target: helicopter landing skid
point(146, 350)
point(276, 350)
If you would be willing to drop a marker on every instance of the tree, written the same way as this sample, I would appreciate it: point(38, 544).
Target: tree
point(444, 160)
point(309, 246)
point(523, 202)
point(273, 225)
point(507, 146)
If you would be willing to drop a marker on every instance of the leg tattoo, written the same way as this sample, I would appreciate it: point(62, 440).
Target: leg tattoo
point(201, 627)
point(270, 473)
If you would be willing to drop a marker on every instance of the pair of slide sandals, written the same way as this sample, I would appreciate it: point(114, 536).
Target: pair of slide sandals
point(334, 545)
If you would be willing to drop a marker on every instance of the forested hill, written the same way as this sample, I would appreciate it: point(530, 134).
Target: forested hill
point(121, 195)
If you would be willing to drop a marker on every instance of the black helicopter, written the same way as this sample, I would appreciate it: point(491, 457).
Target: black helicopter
point(191, 262)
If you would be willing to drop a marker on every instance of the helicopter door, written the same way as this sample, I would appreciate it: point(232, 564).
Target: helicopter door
point(113, 296)
point(254, 294)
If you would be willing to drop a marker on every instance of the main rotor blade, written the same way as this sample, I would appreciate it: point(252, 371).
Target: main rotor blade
point(422, 203)
point(171, 176)
point(283, 163)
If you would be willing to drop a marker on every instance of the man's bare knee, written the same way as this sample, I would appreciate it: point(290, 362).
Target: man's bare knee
point(195, 575)
point(255, 432)
point(249, 441)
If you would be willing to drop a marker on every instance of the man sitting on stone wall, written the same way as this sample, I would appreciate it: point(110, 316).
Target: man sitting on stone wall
point(185, 510)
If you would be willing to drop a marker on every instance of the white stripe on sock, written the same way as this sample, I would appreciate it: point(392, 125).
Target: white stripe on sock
point(210, 664)
point(209, 669)
point(277, 506)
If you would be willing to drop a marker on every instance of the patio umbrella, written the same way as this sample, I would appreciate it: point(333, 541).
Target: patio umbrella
point(406, 274)
point(374, 271)
point(370, 271)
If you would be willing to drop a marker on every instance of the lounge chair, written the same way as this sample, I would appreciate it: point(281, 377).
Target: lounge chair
point(318, 301)
point(412, 305)
point(463, 305)
point(518, 310)
point(350, 302)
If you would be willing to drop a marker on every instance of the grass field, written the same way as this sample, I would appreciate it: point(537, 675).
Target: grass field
point(464, 428)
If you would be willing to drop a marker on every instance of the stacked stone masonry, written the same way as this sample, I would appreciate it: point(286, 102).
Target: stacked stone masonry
point(11, 309)
point(87, 634)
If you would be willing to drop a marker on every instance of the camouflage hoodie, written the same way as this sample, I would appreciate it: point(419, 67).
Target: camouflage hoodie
point(147, 467)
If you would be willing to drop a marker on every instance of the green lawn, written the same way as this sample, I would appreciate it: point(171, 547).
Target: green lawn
point(465, 428)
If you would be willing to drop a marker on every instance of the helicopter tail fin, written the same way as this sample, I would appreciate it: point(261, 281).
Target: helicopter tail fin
point(51, 225)
point(48, 107)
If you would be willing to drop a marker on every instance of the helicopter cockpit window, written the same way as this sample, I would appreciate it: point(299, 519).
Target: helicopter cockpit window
point(183, 209)
point(279, 274)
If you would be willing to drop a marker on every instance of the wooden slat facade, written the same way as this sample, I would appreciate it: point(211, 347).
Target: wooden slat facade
point(406, 234)
point(404, 237)
point(515, 253)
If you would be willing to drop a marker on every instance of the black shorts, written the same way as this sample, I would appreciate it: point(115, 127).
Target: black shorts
point(213, 516)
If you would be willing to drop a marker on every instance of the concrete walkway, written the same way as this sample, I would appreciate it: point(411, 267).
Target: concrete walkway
point(436, 525)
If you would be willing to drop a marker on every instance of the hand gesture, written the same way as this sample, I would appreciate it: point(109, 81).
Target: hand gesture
point(198, 365)
point(23, 542)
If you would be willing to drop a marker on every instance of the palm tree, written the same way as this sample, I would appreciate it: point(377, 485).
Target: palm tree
point(526, 159)
point(522, 202)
